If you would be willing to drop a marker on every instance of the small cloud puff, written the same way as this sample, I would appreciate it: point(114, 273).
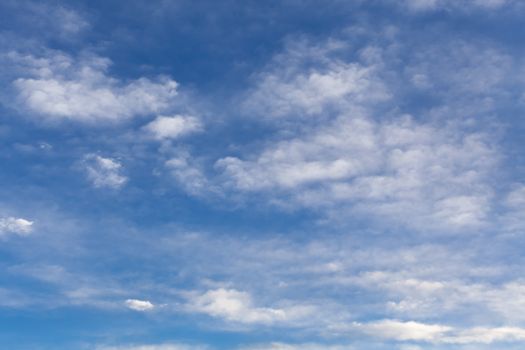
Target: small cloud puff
point(139, 305)
point(103, 172)
point(172, 127)
point(18, 226)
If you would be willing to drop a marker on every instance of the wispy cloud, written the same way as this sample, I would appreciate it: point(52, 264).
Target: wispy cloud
point(355, 188)
point(154, 347)
point(426, 5)
point(17, 226)
point(103, 172)
point(433, 333)
point(284, 346)
point(237, 306)
point(346, 155)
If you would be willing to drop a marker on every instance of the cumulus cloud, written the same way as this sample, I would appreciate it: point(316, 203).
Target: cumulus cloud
point(378, 168)
point(307, 94)
point(349, 155)
point(103, 172)
point(139, 305)
point(13, 225)
point(433, 333)
point(173, 127)
point(59, 86)
point(237, 306)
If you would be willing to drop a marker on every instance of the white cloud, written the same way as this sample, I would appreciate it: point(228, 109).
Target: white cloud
point(354, 154)
point(513, 218)
point(291, 90)
point(172, 127)
point(103, 172)
point(284, 346)
point(516, 197)
point(18, 226)
point(139, 305)
point(434, 333)
point(154, 347)
point(426, 5)
point(486, 335)
point(62, 87)
point(73, 287)
point(410, 347)
point(419, 5)
point(422, 291)
point(398, 330)
point(417, 282)
point(46, 20)
point(236, 306)
point(388, 169)
point(310, 94)
point(188, 173)
point(70, 22)
point(315, 158)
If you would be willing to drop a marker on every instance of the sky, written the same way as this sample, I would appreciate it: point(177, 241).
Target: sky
point(262, 175)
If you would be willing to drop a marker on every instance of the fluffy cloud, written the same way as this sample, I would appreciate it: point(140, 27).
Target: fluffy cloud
point(18, 226)
point(59, 87)
point(378, 168)
point(103, 172)
point(300, 94)
point(172, 127)
point(353, 154)
point(139, 305)
point(236, 306)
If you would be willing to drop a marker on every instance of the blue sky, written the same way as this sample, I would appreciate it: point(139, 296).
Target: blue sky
point(262, 175)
